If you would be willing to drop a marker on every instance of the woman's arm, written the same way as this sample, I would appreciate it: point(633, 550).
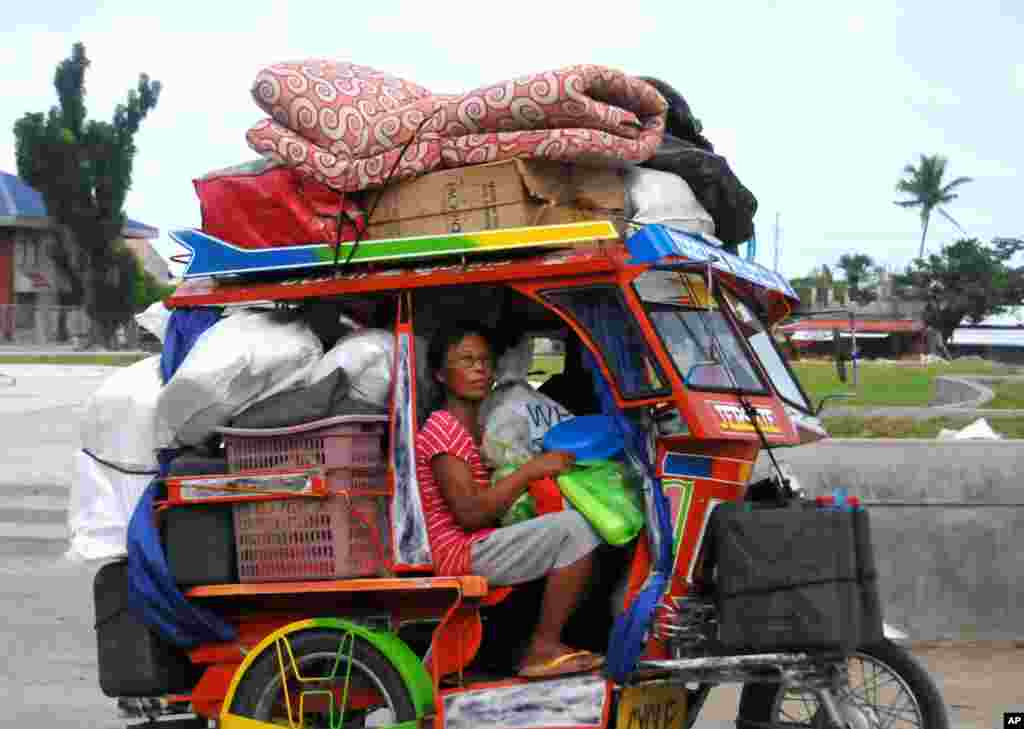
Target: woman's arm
point(475, 508)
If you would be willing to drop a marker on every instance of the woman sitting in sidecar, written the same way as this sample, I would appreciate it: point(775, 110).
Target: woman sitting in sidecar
point(462, 507)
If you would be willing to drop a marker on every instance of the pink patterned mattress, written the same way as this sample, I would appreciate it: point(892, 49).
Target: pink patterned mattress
point(346, 125)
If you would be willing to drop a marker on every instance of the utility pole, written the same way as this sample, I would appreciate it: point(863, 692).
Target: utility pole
point(776, 266)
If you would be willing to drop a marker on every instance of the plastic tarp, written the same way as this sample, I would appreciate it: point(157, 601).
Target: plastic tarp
point(182, 330)
point(155, 320)
point(153, 593)
point(367, 357)
point(120, 442)
point(244, 358)
point(662, 197)
point(633, 625)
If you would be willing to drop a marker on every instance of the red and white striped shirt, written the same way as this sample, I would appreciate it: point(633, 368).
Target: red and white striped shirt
point(449, 542)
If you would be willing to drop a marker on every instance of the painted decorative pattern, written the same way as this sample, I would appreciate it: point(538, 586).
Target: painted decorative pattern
point(345, 125)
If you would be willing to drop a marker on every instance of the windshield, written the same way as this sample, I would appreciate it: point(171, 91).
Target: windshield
point(703, 345)
point(771, 358)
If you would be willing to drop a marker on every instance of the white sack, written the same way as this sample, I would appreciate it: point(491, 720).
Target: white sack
point(240, 360)
point(119, 424)
point(515, 417)
point(368, 358)
point(662, 197)
point(102, 502)
point(154, 320)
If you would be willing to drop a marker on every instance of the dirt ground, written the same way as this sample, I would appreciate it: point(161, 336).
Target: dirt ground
point(978, 680)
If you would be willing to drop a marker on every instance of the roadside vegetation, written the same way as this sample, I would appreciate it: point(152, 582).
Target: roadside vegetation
point(109, 359)
point(855, 426)
point(908, 384)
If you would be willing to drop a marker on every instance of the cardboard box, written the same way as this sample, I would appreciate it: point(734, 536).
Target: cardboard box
point(508, 194)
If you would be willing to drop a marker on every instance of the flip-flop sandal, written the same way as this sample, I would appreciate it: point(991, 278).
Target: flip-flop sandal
point(551, 668)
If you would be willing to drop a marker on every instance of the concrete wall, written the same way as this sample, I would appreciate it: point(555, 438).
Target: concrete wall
point(947, 524)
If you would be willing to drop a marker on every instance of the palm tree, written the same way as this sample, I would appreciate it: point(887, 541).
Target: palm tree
point(924, 184)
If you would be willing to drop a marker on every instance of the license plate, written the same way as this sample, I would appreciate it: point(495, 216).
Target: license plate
point(652, 707)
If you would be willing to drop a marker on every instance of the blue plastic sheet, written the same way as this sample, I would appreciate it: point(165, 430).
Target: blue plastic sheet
point(183, 329)
point(633, 626)
point(153, 594)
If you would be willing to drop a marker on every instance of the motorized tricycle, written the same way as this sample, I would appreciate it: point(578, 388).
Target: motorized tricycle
point(680, 332)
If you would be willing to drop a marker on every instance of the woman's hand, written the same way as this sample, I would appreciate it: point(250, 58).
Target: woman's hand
point(549, 464)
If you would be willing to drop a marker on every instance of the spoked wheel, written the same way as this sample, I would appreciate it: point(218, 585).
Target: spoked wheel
point(887, 689)
point(324, 679)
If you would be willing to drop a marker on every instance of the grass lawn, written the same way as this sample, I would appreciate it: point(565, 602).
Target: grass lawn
point(889, 384)
point(1009, 396)
point(547, 364)
point(109, 359)
point(858, 427)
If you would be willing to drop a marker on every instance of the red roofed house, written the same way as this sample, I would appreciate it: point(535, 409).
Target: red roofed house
point(30, 283)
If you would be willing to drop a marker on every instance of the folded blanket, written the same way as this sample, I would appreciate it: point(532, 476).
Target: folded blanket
point(346, 125)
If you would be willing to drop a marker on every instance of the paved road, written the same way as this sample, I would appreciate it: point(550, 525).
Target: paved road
point(49, 679)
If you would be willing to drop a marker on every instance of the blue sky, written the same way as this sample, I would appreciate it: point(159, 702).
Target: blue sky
point(816, 105)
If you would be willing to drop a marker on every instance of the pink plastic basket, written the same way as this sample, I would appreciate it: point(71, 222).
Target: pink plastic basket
point(351, 449)
point(341, 536)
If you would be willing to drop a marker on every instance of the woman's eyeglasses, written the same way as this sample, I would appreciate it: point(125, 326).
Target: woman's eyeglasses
point(467, 361)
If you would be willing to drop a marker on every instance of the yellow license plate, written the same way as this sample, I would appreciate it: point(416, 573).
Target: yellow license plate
point(652, 707)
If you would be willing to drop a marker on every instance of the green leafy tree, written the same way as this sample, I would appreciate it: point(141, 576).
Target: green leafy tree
point(147, 290)
point(83, 169)
point(861, 277)
point(968, 280)
point(924, 184)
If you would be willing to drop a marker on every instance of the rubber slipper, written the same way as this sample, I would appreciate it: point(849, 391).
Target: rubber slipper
point(551, 668)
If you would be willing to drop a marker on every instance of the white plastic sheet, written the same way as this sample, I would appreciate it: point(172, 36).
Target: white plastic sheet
point(119, 427)
point(662, 197)
point(240, 360)
point(368, 358)
point(102, 502)
point(154, 320)
point(120, 418)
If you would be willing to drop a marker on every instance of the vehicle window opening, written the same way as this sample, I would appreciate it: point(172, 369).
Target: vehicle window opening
point(572, 386)
point(603, 313)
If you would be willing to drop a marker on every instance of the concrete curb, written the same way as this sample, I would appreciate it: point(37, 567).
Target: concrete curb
point(951, 392)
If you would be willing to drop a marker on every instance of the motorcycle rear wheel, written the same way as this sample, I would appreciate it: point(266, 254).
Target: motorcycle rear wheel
point(887, 688)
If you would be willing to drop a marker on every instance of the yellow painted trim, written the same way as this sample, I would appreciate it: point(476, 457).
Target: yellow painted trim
point(249, 659)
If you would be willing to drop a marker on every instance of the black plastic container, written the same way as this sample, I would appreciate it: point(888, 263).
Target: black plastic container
point(793, 578)
point(199, 540)
point(133, 660)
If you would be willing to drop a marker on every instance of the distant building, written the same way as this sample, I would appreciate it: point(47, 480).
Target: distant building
point(876, 338)
point(886, 328)
point(31, 286)
point(999, 337)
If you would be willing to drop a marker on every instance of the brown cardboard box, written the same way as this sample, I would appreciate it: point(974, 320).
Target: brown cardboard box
point(509, 194)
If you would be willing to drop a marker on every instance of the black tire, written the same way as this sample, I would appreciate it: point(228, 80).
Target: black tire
point(762, 703)
point(259, 693)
